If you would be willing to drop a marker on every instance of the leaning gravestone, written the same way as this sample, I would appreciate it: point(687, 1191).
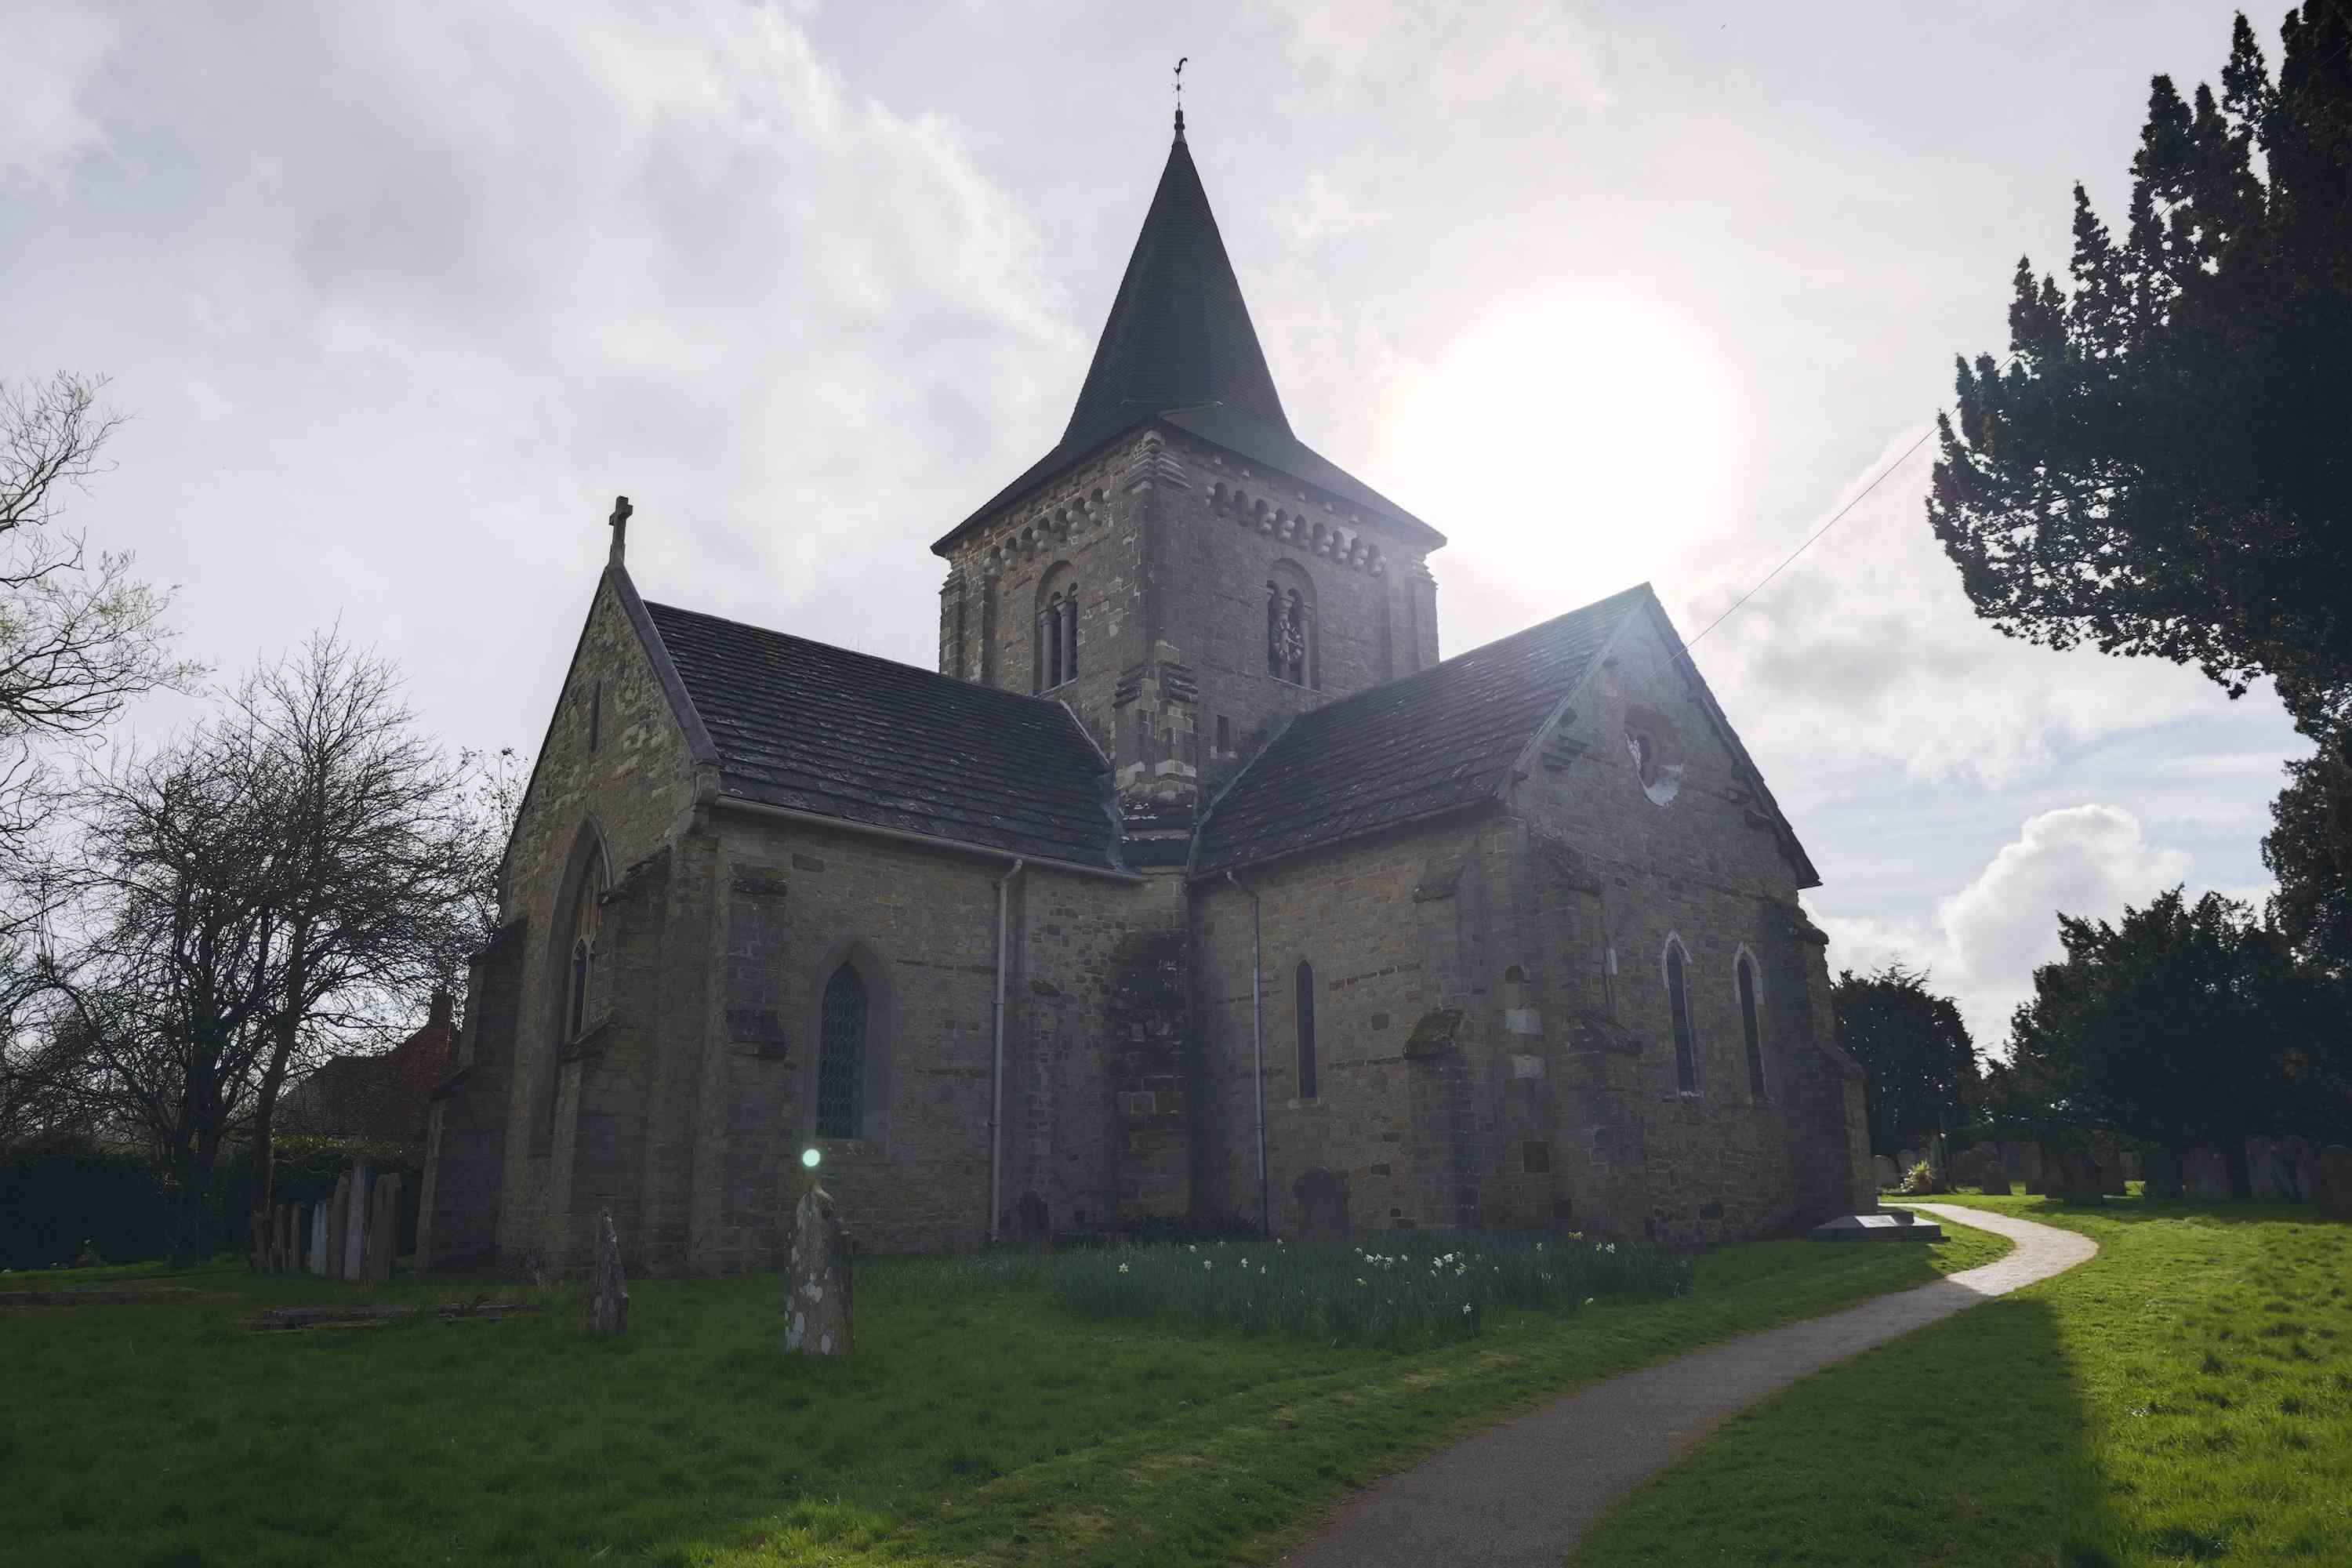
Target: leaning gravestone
point(2162, 1177)
point(1887, 1173)
point(608, 1294)
point(2332, 1181)
point(2206, 1176)
point(816, 1312)
point(1322, 1206)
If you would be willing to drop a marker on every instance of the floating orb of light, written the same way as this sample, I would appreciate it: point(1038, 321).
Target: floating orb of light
point(810, 1157)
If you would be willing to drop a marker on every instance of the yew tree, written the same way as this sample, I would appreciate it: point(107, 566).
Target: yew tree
point(1923, 1069)
point(2163, 467)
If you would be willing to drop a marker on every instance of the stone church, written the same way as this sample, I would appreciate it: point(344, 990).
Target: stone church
point(1195, 886)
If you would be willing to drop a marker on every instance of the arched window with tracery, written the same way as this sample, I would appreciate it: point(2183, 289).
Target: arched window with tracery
point(1750, 1022)
point(1306, 1030)
point(1678, 1004)
point(841, 1057)
point(1054, 638)
point(1290, 629)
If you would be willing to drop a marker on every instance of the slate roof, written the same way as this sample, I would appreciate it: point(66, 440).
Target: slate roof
point(1436, 740)
point(1179, 349)
point(818, 728)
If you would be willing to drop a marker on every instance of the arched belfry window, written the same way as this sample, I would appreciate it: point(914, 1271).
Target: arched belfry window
point(1054, 638)
point(1678, 1004)
point(1750, 1024)
point(1290, 631)
point(1306, 1030)
point(841, 1057)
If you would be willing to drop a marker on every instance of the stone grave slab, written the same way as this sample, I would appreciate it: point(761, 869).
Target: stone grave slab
point(1899, 1225)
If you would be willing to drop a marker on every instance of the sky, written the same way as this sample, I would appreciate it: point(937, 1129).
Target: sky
point(398, 297)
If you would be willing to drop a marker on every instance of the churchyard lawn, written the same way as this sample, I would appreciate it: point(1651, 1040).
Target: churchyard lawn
point(2185, 1397)
point(977, 1424)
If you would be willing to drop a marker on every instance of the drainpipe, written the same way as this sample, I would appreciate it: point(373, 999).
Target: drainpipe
point(997, 1066)
point(1258, 1042)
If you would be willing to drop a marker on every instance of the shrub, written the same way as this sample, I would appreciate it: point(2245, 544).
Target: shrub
point(1921, 1179)
point(60, 1198)
point(1412, 1289)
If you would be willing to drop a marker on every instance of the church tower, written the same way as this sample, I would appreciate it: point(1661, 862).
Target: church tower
point(1180, 569)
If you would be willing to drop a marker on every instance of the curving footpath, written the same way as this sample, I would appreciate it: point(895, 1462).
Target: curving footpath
point(1525, 1492)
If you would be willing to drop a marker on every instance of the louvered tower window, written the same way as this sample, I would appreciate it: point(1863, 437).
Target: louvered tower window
point(841, 1058)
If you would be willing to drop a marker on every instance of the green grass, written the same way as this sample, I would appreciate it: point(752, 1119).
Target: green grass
point(2184, 1397)
point(979, 1423)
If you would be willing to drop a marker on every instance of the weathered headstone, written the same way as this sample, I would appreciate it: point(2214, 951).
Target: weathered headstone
point(2271, 1182)
point(2109, 1159)
point(2332, 1181)
point(1992, 1176)
point(383, 1244)
point(2205, 1175)
point(314, 1254)
point(2162, 1178)
point(1906, 1159)
point(2303, 1166)
point(2029, 1169)
point(608, 1294)
point(2082, 1183)
point(817, 1310)
point(1887, 1175)
point(354, 1222)
point(338, 1225)
point(1322, 1206)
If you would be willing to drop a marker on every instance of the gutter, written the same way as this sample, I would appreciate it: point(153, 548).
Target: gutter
point(996, 1063)
point(929, 840)
point(1257, 1040)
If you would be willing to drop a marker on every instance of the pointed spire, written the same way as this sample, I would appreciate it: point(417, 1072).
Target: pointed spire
point(1179, 336)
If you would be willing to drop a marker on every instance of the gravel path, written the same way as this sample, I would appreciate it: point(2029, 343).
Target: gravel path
point(1525, 1492)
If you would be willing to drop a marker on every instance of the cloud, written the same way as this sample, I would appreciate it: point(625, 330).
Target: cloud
point(45, 118)
point(401, 297)
point(1985, 940)
point(1496, 59)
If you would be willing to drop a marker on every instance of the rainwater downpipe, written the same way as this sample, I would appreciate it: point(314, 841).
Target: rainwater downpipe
point(1258, 1041)
point(996, 1065)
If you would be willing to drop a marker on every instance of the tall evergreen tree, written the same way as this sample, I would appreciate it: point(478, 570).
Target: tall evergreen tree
point(2164, 467)
point(1923, 1070)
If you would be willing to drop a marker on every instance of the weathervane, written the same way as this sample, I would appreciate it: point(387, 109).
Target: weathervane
point(1180, 96)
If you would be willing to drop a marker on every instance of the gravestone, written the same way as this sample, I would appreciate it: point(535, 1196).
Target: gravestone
point(608, 1294)
point(2304, 1164)
point(2271, 1184)
point(2110, 1161)
point(816, 1307)
point(1887, 1177)
point(2029, 1169)
point(1992, 1175)
point(2012, 1161)
point(2332, 1182)
point(2162, 1177)
point(2205, 1176)
point(2082, 1183)
point(350, 1265)
point(1906, 1159)
point(2134, 1169)
point(1322, 1206)
point(383, 1240)
point(315, 1254)
point(339, 1211)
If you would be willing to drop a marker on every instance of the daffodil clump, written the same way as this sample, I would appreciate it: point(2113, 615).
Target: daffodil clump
point(1411, 1289)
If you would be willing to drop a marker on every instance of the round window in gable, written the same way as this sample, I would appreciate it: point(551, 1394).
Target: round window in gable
point(1660, 778)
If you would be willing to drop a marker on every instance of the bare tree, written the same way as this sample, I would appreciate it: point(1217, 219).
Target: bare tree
point(79, 635)
point(282, 884)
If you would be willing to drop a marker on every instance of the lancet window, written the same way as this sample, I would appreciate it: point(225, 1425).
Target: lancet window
point(1054, 638)
point(841, 1057)
point(1751, 1024)
point(1678, 1003)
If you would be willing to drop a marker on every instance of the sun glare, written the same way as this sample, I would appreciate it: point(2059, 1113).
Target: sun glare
point(1581, 439)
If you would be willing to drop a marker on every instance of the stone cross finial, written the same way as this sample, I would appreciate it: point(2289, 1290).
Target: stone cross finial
point(619, 521)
